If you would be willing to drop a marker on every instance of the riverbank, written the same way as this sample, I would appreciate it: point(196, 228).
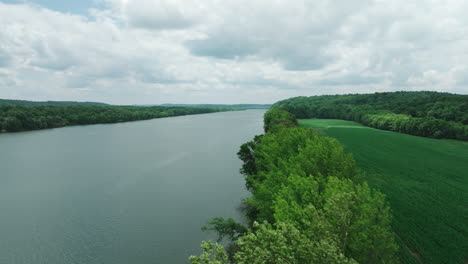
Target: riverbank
point(15, 118)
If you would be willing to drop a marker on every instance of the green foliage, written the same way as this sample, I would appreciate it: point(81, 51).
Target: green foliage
point(294, 152)
point(428, 114)
point(225, 228)
point(286, 244)
point(211, 254)
point(47, 103)
point(246, 154)
point(423, 179)
point(21, 118)
point(356, 218)
point(276, 118)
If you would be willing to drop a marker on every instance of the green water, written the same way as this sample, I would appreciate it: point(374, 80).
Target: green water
point(133, 192)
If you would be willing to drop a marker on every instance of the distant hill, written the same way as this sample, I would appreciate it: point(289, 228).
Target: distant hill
point(245, 106)
point(47, 103)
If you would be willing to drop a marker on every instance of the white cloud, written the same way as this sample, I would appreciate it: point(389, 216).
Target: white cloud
point(211, 51)
point(156, 14)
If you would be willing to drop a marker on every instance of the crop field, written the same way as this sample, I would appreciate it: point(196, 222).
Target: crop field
point(425, 181)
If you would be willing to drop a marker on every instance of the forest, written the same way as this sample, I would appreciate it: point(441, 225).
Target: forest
point(427, 114)
point(302, 211)
point(14, 118)
point(46, 103)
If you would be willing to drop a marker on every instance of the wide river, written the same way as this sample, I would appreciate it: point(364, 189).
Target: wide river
point(127, 193)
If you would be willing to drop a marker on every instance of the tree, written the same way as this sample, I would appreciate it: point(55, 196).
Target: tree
point(276, 118)
point(285, 244)
point(225, 228)
point(212, 253)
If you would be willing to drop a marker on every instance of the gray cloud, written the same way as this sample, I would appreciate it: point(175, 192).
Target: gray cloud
point(222, 48)
point(351, 80)
point(295, 33)
point(461, 76)
point(5, 60)
point(53, 55)
point(154, 14)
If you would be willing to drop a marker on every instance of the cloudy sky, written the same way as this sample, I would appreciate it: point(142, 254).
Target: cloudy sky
point(229, 51)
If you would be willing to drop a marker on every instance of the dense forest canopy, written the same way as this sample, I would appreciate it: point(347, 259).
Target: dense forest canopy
point(308, 204)
point(428, 114)
point(21, 118)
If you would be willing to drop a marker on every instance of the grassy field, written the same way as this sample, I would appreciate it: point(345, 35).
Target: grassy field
point(425, 181)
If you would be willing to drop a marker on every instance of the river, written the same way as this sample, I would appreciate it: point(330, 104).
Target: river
point(135, 192)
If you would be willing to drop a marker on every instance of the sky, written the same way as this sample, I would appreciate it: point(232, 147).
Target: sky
point(229, 51)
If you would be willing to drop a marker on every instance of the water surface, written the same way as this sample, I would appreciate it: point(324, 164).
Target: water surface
point(134, 192)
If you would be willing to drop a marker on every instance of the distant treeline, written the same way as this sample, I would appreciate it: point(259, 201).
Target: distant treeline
point(46, 103)
point(21, 118)
point(427, 114)
point(243, 106)
point(308, 204)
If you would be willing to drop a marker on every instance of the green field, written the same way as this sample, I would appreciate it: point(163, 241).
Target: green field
point(426, 183)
